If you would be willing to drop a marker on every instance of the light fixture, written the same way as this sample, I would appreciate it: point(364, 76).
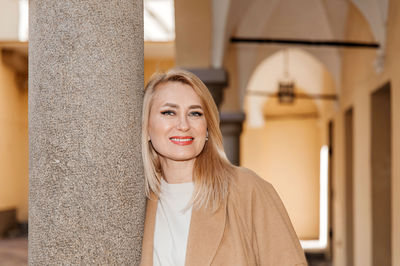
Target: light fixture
point(286, 84)
point(286, 92)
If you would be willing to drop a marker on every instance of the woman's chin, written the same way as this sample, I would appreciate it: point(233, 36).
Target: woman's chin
point(180, 157)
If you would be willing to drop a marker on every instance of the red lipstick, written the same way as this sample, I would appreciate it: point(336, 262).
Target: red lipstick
point(182, 140)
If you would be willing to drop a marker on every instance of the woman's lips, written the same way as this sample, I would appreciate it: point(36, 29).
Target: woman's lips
point(186, 140)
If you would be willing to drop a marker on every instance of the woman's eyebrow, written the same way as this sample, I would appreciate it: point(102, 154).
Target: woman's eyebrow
point(170, 105)
point(194, 106)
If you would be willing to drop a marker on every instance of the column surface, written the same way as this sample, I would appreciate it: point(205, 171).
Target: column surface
point(86, 193)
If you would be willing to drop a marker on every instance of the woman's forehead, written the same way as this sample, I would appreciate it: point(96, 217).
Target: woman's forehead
point(176, 93)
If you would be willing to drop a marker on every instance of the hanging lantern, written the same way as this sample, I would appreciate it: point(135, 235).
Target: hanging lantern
point(286, 92)
point(286, 84)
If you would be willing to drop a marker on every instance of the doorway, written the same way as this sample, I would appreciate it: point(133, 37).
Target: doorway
point(349, 186)
point(381, 175)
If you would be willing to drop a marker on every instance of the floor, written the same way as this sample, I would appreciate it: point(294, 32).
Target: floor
point(14, 252)
point(318, 260)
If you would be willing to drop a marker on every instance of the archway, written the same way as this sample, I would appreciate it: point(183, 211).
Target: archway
point(283, 142)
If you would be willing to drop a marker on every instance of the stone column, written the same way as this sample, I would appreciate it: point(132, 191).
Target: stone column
point(231, 128)
point(216, 80)
point(86, 192)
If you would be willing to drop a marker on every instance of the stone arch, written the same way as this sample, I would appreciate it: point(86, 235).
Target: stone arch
point(306, 70)
point(282, 142)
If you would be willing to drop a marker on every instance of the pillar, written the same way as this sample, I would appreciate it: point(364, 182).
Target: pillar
point(86, 194)
point(231, 128)
point(216, 80)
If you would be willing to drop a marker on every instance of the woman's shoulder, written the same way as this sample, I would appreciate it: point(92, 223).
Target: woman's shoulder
point(249, 180)
point(255, 203)
point(246, 184)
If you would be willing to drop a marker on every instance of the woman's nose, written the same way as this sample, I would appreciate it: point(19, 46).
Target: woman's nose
point(183, 123)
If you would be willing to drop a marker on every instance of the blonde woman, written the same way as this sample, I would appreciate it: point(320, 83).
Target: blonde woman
point(202, 210)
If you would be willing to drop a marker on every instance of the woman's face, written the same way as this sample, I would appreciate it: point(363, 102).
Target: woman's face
point(177, 127)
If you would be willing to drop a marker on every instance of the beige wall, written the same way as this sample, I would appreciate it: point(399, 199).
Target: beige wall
point(338, 188)
point(359, 81)
point(286, 153)
point(13, 144)
point(193, 33)
point(158, 57)
point(156, 65)
point(9, 16)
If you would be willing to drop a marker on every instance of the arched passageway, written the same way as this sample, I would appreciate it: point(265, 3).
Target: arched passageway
point(282, 142)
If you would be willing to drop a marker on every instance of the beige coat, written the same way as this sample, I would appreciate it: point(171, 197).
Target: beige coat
point(251, 228)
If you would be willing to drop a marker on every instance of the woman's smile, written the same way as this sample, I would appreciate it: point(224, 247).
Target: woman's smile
point(182, 140)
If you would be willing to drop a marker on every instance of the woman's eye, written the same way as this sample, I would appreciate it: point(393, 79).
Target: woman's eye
point(168, 112)
point(196, 114)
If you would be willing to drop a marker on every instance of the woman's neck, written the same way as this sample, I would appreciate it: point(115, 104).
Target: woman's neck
point(177, 171)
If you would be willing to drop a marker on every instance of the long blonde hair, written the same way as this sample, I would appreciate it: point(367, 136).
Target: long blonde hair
point(212, 170)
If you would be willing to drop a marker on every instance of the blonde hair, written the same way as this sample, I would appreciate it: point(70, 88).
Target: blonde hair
point(212, 170)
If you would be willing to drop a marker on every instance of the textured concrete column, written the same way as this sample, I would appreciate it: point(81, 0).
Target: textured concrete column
point(85, 95)
point(216, 80)
point(231, 128)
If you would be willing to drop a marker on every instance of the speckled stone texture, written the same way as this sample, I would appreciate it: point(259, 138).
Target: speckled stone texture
point(87, 201)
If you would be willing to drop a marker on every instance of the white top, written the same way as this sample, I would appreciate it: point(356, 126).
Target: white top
point(172, 224)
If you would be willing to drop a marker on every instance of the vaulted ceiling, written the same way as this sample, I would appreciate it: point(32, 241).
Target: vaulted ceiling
point(293, 19)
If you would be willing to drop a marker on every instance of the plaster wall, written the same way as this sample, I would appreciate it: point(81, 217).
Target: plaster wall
point(158, 57)
point(13, 144)
point(286, 154)
point(359, 81)
point(193, 20)
point(9, 20)
point(339, 192)
point(153, 65)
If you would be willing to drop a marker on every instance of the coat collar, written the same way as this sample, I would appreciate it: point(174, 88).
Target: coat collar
point(205, 234)
point(148, 234)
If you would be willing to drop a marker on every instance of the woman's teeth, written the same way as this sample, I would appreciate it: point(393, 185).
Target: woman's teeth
point(182, 140)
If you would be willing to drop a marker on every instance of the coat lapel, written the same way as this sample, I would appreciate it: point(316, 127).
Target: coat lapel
point(148, 234)
point(205, 234)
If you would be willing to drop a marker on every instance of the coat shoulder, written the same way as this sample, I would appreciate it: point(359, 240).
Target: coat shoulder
point(264, 218)
point(246, 180)
point(248, 189)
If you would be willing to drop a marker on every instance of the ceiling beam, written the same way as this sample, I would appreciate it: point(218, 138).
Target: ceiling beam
point(320, 43)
